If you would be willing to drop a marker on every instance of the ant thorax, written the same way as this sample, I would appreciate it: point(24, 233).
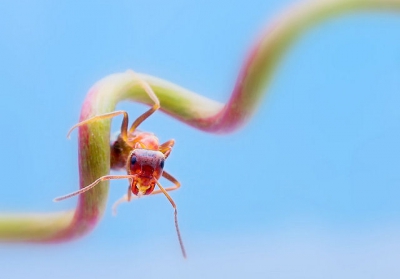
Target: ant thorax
point(121, 148)
point(145, 140)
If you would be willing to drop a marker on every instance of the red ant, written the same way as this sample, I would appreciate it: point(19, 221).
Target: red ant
point(141, 155)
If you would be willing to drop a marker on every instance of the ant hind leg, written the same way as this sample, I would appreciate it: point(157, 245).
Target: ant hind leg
point(152, 96)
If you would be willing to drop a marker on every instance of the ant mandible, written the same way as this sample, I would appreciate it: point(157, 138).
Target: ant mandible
point(141, 155)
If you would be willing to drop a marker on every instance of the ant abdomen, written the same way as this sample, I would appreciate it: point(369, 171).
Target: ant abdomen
point(118, 154)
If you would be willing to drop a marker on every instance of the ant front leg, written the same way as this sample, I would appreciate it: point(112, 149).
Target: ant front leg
point(176, 185)
point(125, 198)
point(95, 183)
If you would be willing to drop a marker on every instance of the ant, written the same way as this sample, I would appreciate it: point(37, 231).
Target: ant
point(141, 155)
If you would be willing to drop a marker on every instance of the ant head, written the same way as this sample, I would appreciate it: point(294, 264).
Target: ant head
point(147, 166)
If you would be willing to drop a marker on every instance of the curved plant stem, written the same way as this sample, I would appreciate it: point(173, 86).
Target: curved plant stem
point(180, 103)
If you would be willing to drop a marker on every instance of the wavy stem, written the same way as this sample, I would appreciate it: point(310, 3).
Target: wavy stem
point(188, 107)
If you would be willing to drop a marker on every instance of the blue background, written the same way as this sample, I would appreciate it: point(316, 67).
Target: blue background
point(308, 189)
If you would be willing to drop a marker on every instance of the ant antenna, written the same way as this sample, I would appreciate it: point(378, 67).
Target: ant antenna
point(176, 218)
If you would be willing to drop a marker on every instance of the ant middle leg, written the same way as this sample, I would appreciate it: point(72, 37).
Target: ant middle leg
point(166, 147)
point(124, 125)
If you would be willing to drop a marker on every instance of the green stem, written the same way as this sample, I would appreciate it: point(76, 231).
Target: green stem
point(188, 107)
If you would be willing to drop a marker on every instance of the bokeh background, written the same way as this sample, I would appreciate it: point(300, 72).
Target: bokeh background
point(308, 189)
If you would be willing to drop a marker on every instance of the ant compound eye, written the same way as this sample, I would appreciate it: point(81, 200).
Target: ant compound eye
point(162, 163)
point(133, 160)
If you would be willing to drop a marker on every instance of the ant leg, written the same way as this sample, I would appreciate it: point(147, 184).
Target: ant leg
point(166, 147)
point(96, 182)
point(176, 185)
point(124, 125)
point(176, 218)
point(152, 96)
point(125, 198)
